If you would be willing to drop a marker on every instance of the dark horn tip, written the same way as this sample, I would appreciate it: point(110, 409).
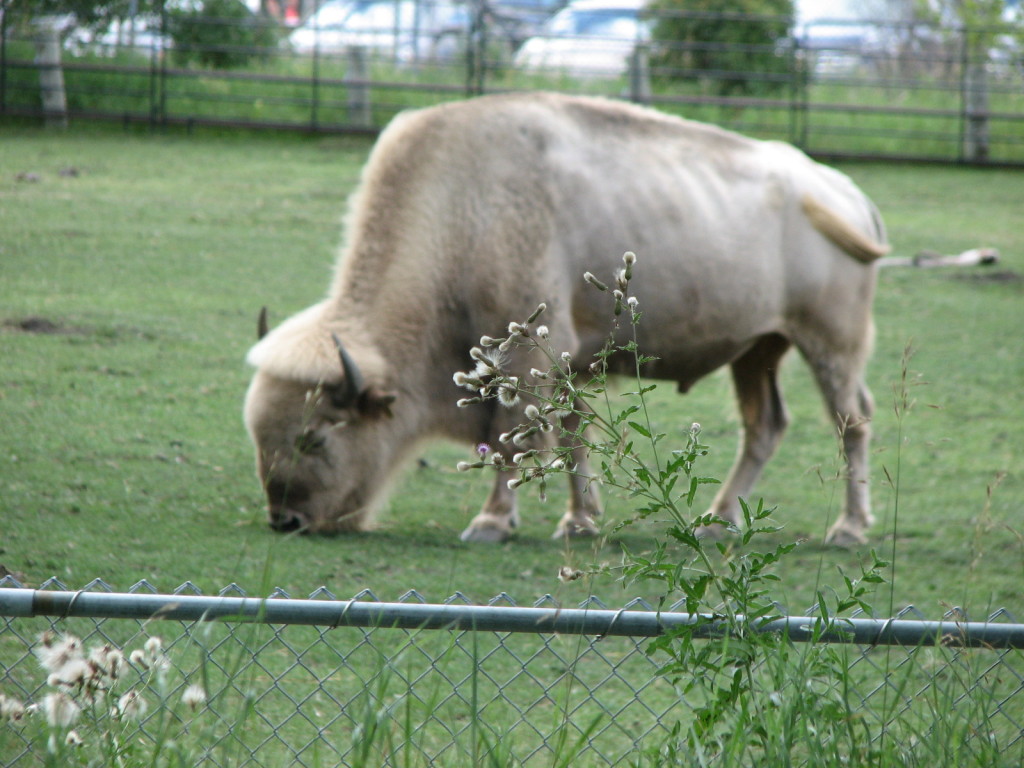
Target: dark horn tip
point(261, 324)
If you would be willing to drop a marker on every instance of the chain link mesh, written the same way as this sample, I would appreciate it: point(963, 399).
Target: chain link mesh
point(286, 694)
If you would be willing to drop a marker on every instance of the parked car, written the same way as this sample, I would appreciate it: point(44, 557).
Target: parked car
point(407, 30)
point(515, 21)
point(833, 35)
point(587, 38)
point(138, 33)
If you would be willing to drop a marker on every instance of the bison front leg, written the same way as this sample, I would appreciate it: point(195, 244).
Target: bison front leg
point(499, 517)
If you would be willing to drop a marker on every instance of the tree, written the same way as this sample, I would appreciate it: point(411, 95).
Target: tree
point(731, 45)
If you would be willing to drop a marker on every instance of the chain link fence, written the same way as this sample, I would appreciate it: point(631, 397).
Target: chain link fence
point(309, 682)
point(876, 88)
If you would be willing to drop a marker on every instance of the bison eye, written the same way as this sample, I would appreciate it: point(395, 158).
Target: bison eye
point(309, 443)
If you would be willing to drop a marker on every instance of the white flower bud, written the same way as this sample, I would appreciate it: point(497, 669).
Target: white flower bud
point(538, 374)
point(514, 483)
point(542, 331)
point(589, 277)
point(463, 466)
point(531, 412)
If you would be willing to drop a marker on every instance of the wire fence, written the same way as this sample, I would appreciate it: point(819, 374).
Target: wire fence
point(883, 88)
point(302, 681)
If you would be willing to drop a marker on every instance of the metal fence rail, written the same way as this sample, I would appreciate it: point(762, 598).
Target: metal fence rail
point(299, 681)
point(898, 90)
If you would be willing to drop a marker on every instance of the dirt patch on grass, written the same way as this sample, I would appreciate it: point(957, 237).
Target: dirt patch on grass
point(1000, 276)
point(44, 326)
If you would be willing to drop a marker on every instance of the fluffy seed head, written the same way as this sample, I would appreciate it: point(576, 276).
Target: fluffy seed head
point(132, 706)
point(194, 696)
point(60, 710)
point(567, 573)
point(508, 392)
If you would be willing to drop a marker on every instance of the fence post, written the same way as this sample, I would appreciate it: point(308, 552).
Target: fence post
point(51, 75)
point(976, 101)
point(357, 87)
point(639, 76)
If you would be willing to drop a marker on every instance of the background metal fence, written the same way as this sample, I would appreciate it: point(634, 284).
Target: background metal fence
point(878, 89)
point(303, 682)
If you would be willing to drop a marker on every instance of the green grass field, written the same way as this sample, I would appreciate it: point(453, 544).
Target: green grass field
point(128, 297)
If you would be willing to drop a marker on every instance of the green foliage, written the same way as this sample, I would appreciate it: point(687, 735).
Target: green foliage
point(733, 47)
point(221, 34)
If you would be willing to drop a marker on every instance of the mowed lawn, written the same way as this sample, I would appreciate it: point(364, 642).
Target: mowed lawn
point(132, 268)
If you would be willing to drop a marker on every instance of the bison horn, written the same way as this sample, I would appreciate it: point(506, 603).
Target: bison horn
point(261, 324)
point(353, 378)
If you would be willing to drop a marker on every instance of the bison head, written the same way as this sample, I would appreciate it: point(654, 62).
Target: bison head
point(321, 430)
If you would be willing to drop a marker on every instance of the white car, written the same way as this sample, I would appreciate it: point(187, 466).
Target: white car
point(587, 38)
point(404, 29)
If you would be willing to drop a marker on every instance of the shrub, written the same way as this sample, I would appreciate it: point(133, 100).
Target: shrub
point(219, 33)
point(733, 46)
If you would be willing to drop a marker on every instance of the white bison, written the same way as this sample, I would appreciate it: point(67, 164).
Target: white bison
point(470, 214)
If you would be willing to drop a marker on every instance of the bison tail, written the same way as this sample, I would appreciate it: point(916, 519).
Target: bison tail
point(841, 232)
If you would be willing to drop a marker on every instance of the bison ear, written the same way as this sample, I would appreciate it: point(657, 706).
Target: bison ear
point(375, 402)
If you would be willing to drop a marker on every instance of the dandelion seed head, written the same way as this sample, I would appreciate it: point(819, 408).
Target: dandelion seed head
point(508, 392)
point(60, 710)
point(55, 652)
point(567, 573)
point(194, 696)
point(11, 710)
point(132, 706)
point(73, 674)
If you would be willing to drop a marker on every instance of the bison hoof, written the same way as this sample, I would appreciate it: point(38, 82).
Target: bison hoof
point(842, 534)
point(576, 528)
point(487, 530)
point(710, 532)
